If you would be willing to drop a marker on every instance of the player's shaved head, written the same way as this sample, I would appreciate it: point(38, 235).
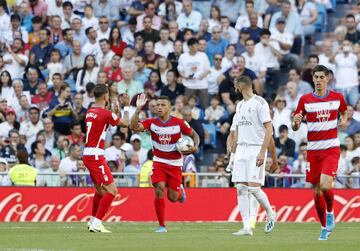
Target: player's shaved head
point(100, 90)
point(164, 98)
point(244, 80)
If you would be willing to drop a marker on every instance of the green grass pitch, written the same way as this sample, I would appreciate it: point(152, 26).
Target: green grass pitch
point(180, 236)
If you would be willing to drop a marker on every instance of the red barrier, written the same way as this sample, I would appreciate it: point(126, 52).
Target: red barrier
point(135, 204)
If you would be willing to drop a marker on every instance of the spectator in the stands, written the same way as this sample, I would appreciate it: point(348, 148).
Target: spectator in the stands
point(303, 87)
point(291, 95)
point(128, 85)
point(244, 20)
point(353, 124)
point(172, 89)
point(91, 47)
point(40, 53)
point(104, 59)
point(308, 15)
point(30, 128)
point(104, 31)
point(61, 110)
point(228, 32)
point(14, 60)
point(189, 18)
point(194, 123)
point(215, 112)
point(62, 147)
point(217, 44)
point(79, 33)
point(164, 46)
point(116, 42)
point(49, 134)
point(135, 140)
point(39, 157)
point(142, 73)
point(194, 67)
point(313, 60)
point(281, 114)
point(76, 136)
point(88, 73)
point(42, 97)
point(9, 124)
point(23, 174)
point(8, 151)
point(149, 11)
point(89, 20)
point(284, 144)
point(354, 182)
point(114, 152)
point(148, 33)
point(352, 34)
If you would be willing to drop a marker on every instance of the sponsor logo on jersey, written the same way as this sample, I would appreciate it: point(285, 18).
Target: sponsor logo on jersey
point(165, 139)
point(323, 115)
point(114, 116)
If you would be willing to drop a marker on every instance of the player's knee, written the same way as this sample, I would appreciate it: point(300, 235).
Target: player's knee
point(324, 187)
point(159, 192)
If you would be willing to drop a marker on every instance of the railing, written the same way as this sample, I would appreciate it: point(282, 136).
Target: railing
point(190, 180)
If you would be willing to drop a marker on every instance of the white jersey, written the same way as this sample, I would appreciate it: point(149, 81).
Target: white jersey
point(249, 119)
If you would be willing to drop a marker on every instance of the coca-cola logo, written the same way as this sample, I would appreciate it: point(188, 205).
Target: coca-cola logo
point(72, 210)
point(301, 213)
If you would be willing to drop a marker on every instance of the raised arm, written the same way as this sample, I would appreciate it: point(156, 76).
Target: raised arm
point(134, 123)
point(124, 122)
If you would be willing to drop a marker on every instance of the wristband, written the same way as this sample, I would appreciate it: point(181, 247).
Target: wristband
point(126, 108)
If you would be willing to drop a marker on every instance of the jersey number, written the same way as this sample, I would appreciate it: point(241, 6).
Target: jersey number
point(88, 128)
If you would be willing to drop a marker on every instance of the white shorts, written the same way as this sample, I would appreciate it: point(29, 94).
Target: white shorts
point(245, 168)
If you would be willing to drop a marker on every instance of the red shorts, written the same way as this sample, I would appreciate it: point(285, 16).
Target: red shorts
point(172, 176)
point(100, 172)
point(325, 163)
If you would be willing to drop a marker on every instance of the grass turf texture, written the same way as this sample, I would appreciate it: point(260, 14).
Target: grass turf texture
point(181, 236)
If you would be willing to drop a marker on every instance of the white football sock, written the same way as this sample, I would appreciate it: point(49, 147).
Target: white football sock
point(254, 207)
point(262, 198)
point(243, 203)
point(91, 219)
point(96, 222)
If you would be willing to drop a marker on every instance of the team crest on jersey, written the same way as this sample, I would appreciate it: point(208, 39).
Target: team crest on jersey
point(323, 115)
point(165, 139)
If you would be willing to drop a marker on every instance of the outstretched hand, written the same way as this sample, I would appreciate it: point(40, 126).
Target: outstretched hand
point(141, 101)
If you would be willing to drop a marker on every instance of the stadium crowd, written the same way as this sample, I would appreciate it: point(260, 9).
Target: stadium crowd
point(54, 52)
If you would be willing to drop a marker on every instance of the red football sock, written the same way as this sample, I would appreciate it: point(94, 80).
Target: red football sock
point(160, 211)
point(329, 199)
point(96, 200)
point(104, 205)
point(320, 207)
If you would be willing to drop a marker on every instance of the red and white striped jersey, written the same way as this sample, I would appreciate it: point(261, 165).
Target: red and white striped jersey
point(322, 119)
point(164, 136)
point(97, 122)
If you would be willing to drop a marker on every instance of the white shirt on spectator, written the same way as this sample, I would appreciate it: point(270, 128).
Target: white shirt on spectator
point(142, 154)
point(244, 21)
point(4, 25)
point(105, 59)
point(226, 63)
point(7, 92)
point(346, 70)
point(324, 60)
point(53, 9)
point(285, 38)
point(162, 8)
point(112, 153)
point(213, 80)
point(9, 36)
point(267, 55)
point(102, 35)
point(67, 165)
point(231, 34)
point(164, 49)
point(65, 24)
point(127, 35)
point(90, 48)
point(30, 130)
point(5, 127)
point(195, 65)
point(281, 118)
point(254, 63)
point(92, 22)
point(14, 68)
point(88, 77)
point(191, 21)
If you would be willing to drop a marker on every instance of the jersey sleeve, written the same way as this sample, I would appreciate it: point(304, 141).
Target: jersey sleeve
point(146, 124)
point(264, 112)
point(301, 107)
point(343, 106)
point(113, 119)
point(234, 123)
point(185, 127)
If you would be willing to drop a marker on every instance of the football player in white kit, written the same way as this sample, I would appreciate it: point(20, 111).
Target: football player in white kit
point(253, 129)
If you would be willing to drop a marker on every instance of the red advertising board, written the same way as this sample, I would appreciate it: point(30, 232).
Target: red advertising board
point(136, 204)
